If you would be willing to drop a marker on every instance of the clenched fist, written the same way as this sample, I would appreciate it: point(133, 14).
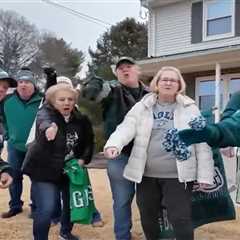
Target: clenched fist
point(5, 180)
point(111, 152)
point(51, 132)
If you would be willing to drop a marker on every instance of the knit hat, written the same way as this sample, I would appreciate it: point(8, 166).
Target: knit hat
point(5, 77)
point(63, 79)
point(26, 75)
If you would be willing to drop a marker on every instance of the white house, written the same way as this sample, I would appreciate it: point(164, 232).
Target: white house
point(202, 39)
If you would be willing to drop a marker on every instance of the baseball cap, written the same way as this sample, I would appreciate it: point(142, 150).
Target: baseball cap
point(5, 77)
point(122, 60)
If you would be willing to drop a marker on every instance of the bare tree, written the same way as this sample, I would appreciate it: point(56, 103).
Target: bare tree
point(18, 41)
point(59, 54)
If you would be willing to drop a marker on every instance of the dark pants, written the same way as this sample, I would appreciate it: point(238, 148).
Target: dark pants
point(46, 196)
point(177, 198)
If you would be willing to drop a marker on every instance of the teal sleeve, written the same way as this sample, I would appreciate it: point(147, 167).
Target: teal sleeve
point(230, 131)
point(5, 167)
point(223, 134)
point(210, 134)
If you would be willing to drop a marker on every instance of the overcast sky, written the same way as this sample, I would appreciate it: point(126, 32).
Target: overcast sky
point(73, 29)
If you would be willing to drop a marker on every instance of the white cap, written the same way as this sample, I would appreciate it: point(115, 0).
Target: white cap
point(63, 79)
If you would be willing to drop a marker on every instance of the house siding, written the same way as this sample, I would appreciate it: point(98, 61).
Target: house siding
point(151, 34)
point(172, 26)
point(237, 18)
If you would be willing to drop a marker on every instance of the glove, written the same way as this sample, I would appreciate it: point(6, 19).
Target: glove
point(51, 78)
point(92, 88)
point(49, 70)
point(199, 132)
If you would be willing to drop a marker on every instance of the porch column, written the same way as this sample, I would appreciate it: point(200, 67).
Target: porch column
point(226, 95)
point(217, 91)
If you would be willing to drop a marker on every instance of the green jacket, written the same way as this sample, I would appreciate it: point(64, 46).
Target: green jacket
point(18, 118)
point(81, 197)
point(232, 106)
point(222, 134)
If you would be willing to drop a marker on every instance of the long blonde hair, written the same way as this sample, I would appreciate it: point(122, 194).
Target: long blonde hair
point(154, 82)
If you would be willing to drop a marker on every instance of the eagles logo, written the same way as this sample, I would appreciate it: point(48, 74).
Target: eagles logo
point(218, 182)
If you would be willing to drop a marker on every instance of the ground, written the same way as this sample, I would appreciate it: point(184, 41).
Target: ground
point(20, 227)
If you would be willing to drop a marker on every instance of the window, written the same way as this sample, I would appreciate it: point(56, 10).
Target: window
point(205, 90)
point(218, 19)
point(234, 85)
point(206, 94)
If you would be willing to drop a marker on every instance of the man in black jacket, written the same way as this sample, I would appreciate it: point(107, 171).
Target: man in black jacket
point(117, 98)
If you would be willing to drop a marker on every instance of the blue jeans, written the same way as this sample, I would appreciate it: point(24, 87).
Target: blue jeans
point(46, 196)
point(15, 159)
point(123, 192)
point(58, 207)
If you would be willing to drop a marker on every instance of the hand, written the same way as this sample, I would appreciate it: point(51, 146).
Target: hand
point(111, 152)
point(204, 185)
point(5, 180)
point(200, 186)
point(51, 132)
point(79, 87)
point(228, 152)
point(81, 162)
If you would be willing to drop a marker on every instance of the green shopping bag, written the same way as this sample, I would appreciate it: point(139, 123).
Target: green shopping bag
point(210, 205)
point(238, 178)
point(81, 198)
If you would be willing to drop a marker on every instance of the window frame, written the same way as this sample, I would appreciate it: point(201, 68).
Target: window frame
point(205, 20)
point(225, 78)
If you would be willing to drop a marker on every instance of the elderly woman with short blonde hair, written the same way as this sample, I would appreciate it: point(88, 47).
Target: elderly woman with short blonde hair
point(159, 174)
point(62, 132)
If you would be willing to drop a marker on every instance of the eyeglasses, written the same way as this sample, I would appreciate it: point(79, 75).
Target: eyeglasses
point(172, 81)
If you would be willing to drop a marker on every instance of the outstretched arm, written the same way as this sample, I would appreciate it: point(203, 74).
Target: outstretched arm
point(96, 89)
point(124, 133)
point(223, 134)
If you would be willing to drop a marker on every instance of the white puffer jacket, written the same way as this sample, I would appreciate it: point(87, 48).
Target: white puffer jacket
point(138, 124)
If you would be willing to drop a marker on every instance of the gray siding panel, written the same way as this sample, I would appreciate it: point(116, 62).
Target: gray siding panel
point(197, 21)
point(171, 33)
point(237, 18)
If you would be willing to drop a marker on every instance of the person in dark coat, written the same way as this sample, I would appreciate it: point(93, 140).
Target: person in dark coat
point(5, 170)
point(62, 133)
point(117, 97)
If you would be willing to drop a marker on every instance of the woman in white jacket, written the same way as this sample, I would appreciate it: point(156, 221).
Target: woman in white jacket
point(158, 173)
